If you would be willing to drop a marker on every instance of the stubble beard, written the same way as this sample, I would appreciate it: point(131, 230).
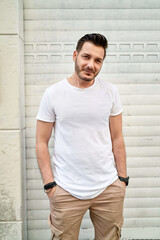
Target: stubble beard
point(78, 71)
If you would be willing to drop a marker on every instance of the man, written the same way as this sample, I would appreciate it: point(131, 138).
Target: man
point(89, 151)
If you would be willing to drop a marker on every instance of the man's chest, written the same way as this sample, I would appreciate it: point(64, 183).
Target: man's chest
point(83, 108)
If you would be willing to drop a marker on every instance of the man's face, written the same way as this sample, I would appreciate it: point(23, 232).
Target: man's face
point(88, 61)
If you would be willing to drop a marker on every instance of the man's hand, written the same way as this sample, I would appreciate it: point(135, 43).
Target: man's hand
point(51, 193)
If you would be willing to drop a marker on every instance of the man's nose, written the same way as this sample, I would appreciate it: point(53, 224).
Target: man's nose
point(90, 64)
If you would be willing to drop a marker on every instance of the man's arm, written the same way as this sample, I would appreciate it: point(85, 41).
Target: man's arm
point(118, 144)
point(43, 134)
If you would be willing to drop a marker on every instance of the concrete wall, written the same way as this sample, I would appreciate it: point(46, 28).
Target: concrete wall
point(12, 122)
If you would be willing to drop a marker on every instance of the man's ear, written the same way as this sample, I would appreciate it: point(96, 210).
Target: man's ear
point(75, 53)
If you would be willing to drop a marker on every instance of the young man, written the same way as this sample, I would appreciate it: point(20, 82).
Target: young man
point(89, 153)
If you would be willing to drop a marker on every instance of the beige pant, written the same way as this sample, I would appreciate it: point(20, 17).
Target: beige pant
point(106, 213)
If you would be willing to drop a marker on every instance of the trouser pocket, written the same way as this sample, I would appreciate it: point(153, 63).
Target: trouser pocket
point(118, 233)
point(56, 233)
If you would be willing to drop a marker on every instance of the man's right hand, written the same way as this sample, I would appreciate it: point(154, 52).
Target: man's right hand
point(51, 193)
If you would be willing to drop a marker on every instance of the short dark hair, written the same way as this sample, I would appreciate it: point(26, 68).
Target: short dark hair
point(95, 38)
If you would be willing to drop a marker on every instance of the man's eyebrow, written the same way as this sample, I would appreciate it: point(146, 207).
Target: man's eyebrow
point(86, 54)
point(90, 55)
point(99, 59)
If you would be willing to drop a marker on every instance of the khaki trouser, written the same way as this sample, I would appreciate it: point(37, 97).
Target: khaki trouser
point(106, 213)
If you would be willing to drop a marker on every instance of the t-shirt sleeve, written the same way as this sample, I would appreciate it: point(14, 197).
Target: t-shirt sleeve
point(116, 104)
point(46, 112)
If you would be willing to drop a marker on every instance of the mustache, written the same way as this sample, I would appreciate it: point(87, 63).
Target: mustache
point(89, 69)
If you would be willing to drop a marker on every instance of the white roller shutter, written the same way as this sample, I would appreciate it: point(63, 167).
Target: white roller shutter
point(52, 29)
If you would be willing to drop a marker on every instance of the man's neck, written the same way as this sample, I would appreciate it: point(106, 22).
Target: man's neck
point(77, 82)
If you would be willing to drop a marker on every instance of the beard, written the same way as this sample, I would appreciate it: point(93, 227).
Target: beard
point(80, 74)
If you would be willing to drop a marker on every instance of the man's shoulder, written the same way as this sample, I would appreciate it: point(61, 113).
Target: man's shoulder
point(56, 86)
point(106, 84)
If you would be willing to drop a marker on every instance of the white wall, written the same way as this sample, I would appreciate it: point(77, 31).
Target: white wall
point(52, 29)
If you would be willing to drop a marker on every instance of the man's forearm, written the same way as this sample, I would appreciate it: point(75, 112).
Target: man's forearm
point(120, 156)
point(44, 162)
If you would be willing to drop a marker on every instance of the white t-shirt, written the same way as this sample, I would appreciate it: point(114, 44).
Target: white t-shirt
point(83, 160)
